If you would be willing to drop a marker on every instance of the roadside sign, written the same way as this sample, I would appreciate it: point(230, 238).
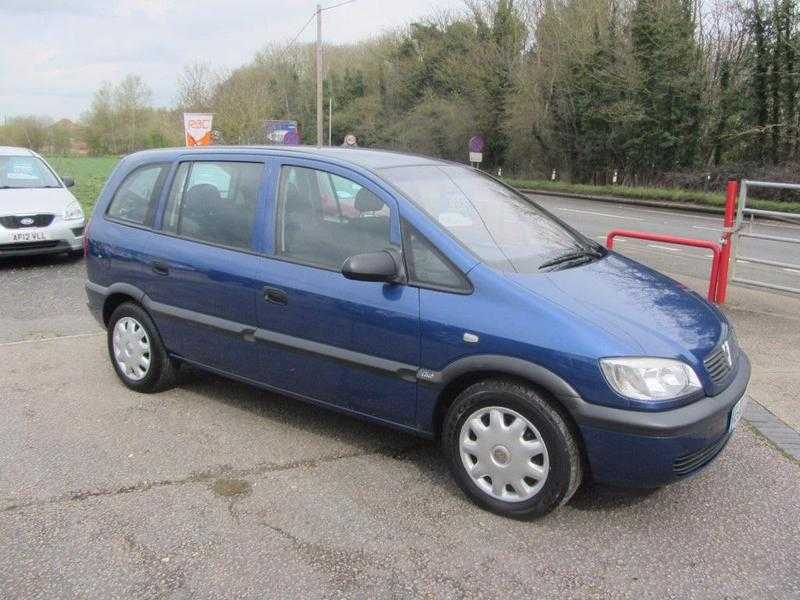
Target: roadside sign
point(292, 138)
point(197, 128)
point(350, 141)
point(282, 132)
point(476, 145)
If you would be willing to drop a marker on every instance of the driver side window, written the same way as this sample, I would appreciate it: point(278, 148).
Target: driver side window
point(323, 219)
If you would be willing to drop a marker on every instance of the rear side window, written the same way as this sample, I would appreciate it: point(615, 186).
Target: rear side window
point(214, 202)
point(136, 197)
point(427, 266)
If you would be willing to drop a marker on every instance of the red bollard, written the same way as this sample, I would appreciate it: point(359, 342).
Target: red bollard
point(731, 194)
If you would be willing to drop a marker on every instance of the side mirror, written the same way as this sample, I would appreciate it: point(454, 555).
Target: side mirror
point(372, 266)
point(68, 181)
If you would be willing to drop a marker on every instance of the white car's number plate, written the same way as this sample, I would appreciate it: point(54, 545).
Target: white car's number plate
point(736, 413)
point(29, 236)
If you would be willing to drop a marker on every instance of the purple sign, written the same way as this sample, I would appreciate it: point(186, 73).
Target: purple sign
point(282, 132)
point(476, 143)
point(292, 138)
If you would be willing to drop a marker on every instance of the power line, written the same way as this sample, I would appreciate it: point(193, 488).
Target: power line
point(314, 14)
point(303, 28)
point(338, 5)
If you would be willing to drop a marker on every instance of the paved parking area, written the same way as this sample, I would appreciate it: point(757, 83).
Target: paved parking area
point(216, 490)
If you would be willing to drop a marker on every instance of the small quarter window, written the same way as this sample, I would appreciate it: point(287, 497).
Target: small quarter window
point(427, 266)
point(136, 198)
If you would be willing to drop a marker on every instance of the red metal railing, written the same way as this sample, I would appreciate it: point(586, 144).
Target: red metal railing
point(731, 194)
point(713, 285)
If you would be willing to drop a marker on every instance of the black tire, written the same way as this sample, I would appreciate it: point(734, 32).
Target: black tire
point(564, 457)
point(162, 371)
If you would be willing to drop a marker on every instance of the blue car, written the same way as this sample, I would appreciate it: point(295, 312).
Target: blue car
point(419, 294)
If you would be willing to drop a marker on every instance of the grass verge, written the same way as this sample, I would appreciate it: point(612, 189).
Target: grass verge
point(90, 174)
point(656, 194)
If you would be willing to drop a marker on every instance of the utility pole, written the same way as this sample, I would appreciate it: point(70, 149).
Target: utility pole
point(319, 76)
point(330, 121)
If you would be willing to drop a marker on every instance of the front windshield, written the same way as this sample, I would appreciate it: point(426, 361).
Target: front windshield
point(18, 172)
point(504, 230)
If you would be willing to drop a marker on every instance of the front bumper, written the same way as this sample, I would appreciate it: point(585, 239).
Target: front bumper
point(62, 236)
point(649, 449)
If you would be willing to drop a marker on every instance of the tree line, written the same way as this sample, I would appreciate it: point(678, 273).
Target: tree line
point(658, 91)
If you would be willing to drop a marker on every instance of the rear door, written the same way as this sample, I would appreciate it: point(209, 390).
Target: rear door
point(204, 265)
point(348, 343)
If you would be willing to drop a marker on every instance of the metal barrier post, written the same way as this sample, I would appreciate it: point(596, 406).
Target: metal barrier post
point(731, 194)
point(715, 248)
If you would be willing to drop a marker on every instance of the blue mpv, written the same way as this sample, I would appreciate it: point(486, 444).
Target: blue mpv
point(420, 294)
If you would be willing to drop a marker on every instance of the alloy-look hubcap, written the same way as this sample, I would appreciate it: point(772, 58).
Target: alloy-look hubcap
point(504, 454)
point(131, 348)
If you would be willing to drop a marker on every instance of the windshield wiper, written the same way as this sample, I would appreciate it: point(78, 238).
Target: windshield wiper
point(583, 255)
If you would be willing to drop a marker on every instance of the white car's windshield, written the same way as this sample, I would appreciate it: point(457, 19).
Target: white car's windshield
point(18, 172)
point(504, 230)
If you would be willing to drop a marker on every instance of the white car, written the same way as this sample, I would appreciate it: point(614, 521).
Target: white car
point(38, 214)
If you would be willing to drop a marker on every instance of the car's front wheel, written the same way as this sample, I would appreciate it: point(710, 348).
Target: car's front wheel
point(137, 352)
point(510, 450)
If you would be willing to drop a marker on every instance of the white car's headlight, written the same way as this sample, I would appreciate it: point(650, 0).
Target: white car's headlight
point(73, 212)
point(651, 379)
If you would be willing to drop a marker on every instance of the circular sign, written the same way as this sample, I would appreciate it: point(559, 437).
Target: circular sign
point(350, 140)
point(476, 143)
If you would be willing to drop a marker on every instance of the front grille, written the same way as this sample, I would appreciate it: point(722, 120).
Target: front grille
point(720, 362)
point(15, 222)
point(27, 246)
point(691, 462)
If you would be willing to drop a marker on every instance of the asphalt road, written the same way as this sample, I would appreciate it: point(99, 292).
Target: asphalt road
point(216, 490)
point(596, 219)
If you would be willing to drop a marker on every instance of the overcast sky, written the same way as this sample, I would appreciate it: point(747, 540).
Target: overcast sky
point(56, 53)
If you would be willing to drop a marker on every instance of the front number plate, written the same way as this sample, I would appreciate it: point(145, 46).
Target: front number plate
point(736, 413)
point(29, 236)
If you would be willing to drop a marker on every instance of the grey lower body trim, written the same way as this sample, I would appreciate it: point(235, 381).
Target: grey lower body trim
point(333, 407)
point(251, 334)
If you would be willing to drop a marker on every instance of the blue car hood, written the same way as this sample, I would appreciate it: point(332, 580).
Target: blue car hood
point(657, 315)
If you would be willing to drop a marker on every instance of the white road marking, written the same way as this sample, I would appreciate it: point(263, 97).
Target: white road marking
point(51, 339)
point(592, 212)
point(717, 229)
point(667, 248)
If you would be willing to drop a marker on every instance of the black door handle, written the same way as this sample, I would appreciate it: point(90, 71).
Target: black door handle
point(275, 296)
point(160, 268)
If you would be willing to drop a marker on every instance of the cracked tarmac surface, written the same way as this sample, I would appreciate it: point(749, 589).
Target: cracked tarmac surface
point(217, 490)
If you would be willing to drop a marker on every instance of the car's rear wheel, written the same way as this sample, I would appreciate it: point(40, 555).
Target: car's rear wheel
point(137, 352)
point(510, 450)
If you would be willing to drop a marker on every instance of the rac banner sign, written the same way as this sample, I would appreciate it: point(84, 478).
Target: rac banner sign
point(197, 127)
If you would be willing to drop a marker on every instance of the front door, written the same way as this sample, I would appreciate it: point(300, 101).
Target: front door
point(348, 343)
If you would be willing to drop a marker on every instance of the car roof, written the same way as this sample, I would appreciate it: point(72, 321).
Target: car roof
point(361, 157)
point(13, 151)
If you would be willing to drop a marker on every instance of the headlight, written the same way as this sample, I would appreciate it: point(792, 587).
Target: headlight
point(73, 212)
point(650, 378)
